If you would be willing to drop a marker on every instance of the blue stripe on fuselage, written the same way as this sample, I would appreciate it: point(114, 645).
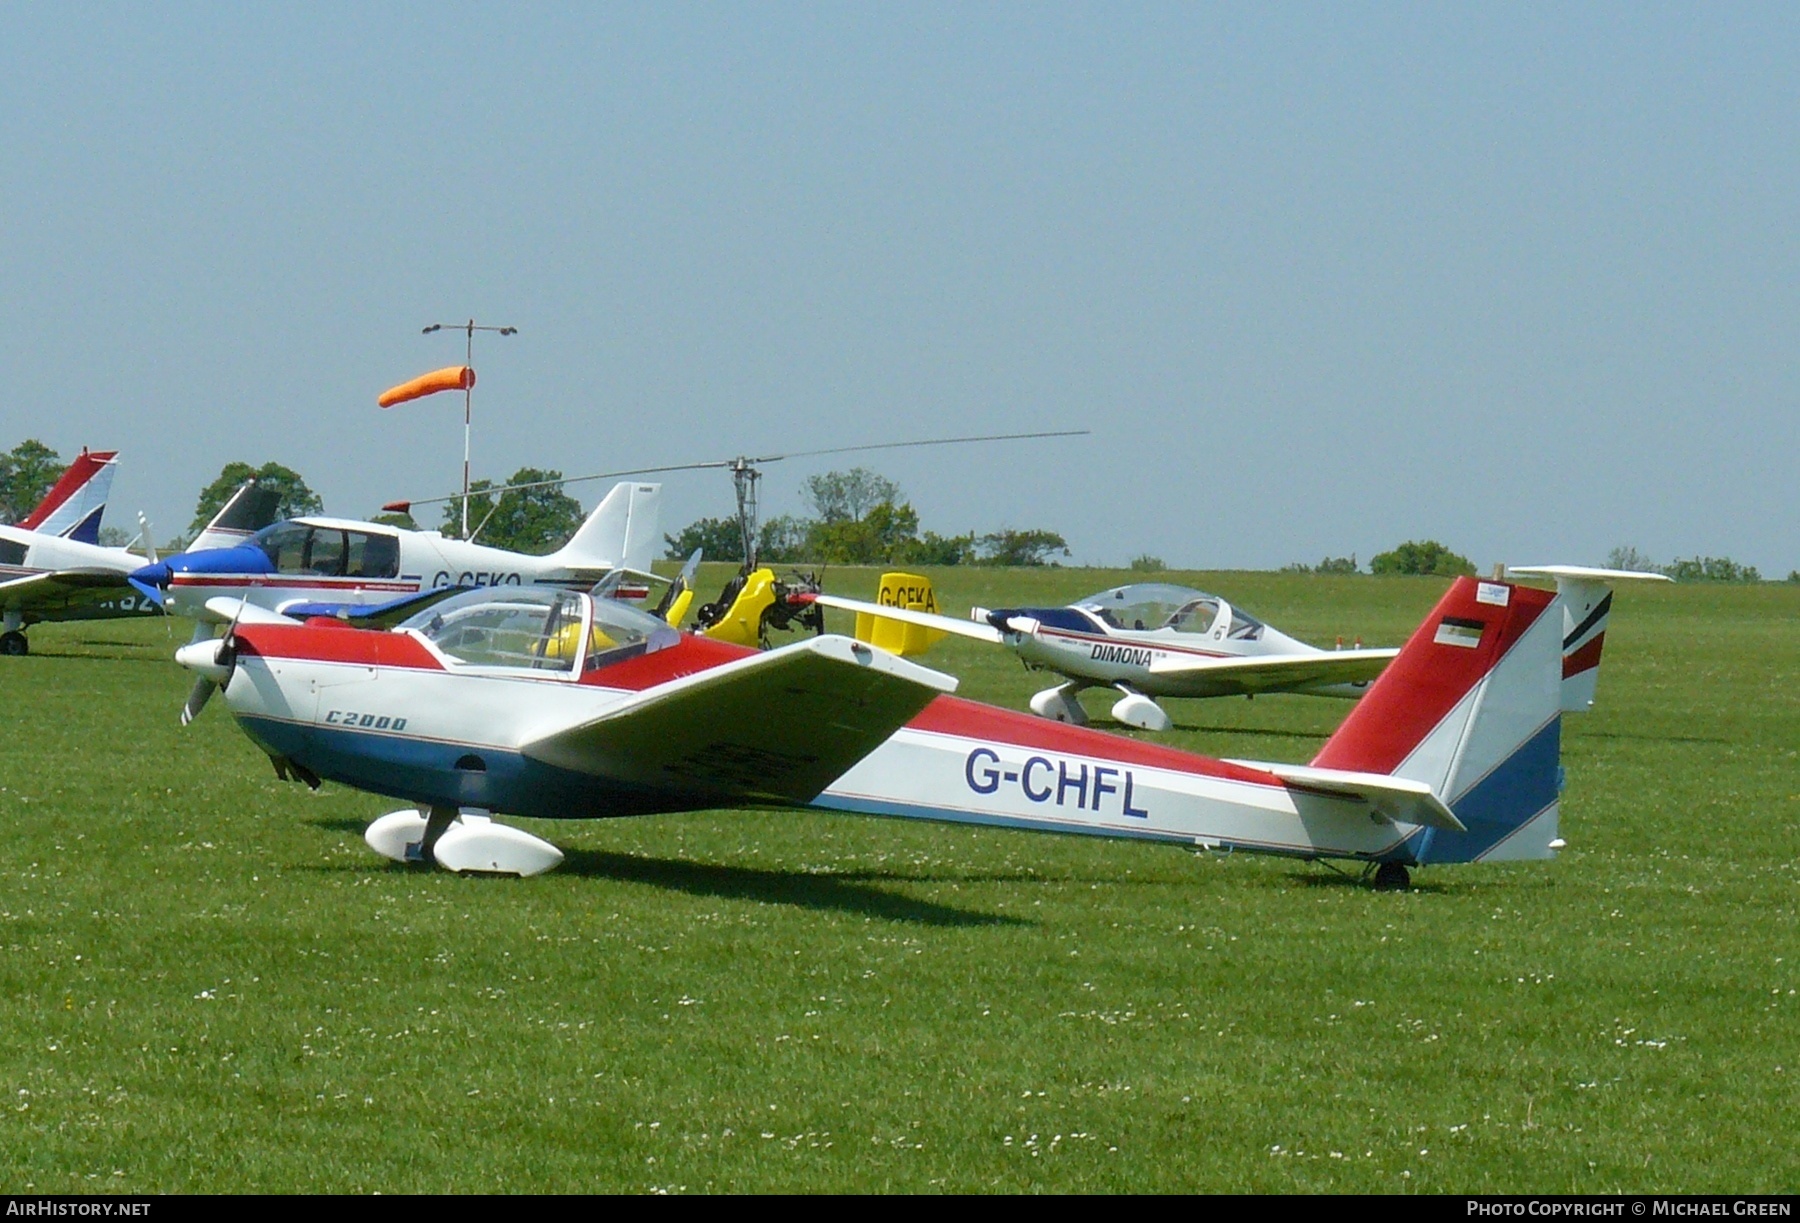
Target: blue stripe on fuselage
point(424, 771)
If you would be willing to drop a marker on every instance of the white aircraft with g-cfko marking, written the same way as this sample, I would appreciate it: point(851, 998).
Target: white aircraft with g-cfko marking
point(339, 566)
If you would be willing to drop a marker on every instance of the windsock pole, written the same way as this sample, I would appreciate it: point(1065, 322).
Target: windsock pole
point(468, 329)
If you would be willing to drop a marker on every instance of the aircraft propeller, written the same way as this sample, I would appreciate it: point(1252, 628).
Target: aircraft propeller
point(213, 659)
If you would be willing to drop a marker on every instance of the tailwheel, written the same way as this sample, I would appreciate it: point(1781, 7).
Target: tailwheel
point(1392, 877)
point(14, 645)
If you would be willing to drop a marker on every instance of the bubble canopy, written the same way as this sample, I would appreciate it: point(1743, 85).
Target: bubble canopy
point(1147, 606)
point(537, 628)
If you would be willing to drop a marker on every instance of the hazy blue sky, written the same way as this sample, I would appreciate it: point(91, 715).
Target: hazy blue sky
point(1320, 278)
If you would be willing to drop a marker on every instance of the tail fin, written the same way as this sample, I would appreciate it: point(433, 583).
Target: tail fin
point(910, 591)
point(73, 506)
point(1586, 596)
point(1472, 708)
point(621, 532)
point(248, 511)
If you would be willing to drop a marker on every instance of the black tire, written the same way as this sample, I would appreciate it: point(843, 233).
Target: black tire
point(1392, 877)
point(14, 645)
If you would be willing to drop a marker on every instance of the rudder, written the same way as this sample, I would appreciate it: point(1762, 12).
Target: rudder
point(75, 503)
point(909, 591)
point(620, 533)
point(1472, 708)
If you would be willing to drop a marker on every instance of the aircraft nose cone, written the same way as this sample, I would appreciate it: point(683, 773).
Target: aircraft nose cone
point(202, 658)
point(157, 575)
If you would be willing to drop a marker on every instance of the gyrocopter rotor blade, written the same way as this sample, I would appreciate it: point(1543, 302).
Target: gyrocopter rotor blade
point(745, 473)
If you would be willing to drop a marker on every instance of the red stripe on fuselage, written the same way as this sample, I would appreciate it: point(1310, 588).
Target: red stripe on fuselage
point(335, 643)
point(1136, 643)
point(1427, 679)
point(316, 582)
point(691, 655)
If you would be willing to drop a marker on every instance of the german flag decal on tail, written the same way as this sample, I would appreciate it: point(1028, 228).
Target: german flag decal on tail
point(1452, 630)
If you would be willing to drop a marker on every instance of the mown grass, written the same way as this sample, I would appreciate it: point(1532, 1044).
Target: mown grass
point(210, 984)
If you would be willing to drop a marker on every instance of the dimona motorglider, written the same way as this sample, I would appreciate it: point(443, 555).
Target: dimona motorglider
point(551, 703)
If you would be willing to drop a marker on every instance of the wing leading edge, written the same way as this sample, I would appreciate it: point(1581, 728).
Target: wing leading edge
point(774, 727)
point(1277, 672)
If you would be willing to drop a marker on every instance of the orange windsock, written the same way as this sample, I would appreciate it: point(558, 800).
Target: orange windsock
point(450, 378)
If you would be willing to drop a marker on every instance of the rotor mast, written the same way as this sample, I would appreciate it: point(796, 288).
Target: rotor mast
point(744, 477)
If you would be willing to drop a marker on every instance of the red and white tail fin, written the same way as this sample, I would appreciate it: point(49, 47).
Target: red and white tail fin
point(1471, 708)
point(73, 506)
point(1587, 603)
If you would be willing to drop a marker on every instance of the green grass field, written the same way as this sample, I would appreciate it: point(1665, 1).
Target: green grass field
point(211, 985)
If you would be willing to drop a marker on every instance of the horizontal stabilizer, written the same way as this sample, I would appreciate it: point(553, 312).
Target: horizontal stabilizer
point(774, 727)
point(1282, 672)
point(1585, 573)
point(963, 628)
point(1586, 596)
point(1399, 799)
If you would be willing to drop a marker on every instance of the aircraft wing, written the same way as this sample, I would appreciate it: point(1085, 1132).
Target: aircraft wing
point(231, 610)
point(1397, 798)
point(776, 727)
point(1277, 672)
point(61, 590)
point(376, 615)
point(979, 630)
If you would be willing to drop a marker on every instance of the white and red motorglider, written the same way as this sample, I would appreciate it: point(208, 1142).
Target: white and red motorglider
point(545, 702)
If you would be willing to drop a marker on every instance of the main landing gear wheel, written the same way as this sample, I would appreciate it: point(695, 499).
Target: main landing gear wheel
point(1392, 877)
point(463, 840)
point(14, 645)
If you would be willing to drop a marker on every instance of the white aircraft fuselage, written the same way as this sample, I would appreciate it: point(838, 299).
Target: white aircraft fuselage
point(346, 563)
point(25, 553)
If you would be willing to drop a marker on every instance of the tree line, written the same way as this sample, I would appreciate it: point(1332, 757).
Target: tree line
point(861, 518)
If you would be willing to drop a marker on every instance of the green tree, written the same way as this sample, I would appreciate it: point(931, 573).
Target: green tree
point(877, 537)
point(296, 499)
point(934, 549)
point(26, 474)
point(1421, 558)
point(535, 521)
point(719, 538)
point(1033, 548)
point(1145, 563)
point(1711, 569)
point(782, 540)
point(849, 496)
point(404, 521)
